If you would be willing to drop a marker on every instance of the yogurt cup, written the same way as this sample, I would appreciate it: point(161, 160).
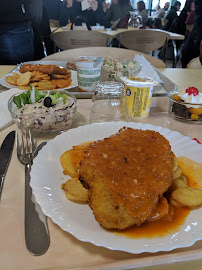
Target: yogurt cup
point(88, 72)
point(136, 99)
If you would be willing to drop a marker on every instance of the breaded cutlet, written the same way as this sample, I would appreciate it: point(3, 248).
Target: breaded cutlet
point(126, 174)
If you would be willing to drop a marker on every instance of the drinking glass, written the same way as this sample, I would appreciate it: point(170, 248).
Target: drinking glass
point(106, 102)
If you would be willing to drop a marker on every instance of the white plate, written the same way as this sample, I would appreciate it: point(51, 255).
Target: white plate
point(4, 83)
point(78, 219)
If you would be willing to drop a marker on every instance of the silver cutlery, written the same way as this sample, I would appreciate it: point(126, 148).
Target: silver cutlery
point(5, 156)
point(36, 231)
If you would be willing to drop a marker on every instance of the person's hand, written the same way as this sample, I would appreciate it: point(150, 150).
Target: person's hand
point(93, 4)
point(69, 3)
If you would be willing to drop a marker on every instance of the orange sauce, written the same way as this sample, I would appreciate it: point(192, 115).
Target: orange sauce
point(159, 228)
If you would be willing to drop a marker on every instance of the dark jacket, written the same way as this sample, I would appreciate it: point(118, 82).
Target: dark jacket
point(171, 16)
point(92, 17)
point(14, 11)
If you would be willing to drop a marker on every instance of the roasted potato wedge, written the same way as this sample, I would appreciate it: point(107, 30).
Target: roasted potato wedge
point(178, 183)
point(177, 172)
point(74, 190)
point(183, 178)
point(175, 163)
point(187, 197)
point(66, 163)
point(82, 145)
point(11, 79)
point(161, 210)
point(24, 79)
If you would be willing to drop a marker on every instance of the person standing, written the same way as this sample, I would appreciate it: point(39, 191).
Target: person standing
point(16, 34)
point(162, 11)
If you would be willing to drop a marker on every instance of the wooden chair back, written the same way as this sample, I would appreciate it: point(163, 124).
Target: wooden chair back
point(194, 63)
point(80, 38)
point(116, 53)
point(143, 40)
point(54, 23)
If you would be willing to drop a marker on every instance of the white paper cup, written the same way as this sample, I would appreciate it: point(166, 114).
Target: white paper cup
point(88, 72)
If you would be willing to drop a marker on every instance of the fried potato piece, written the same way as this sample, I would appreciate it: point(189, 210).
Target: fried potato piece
point(187, 197)
point(24, 87)
point(39, 76)
point(12, 80)
point(175, 163)
point(16, 75)
point(74, 190)
point(178, 183)
point(66, 163)
point(61, 83)
point(46, 85)
point(59, 76)
point(70, 160)
point(24, 79)
point(177, 172)
point(174, 203)
point(161, 210)
point(82, 145)
point(183, 178)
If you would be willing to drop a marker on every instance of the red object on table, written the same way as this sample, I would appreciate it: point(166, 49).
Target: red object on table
point(196, 140)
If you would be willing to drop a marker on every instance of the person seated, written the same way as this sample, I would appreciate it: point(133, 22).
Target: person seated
point(119, 13)
point(72, 10)
point(162, 11)
point(142, 13)
point(172, 15)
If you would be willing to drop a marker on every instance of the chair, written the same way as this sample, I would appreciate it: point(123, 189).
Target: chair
point(54, 23)
point(80, 38)
point(116, 53)
point(145, 40)
point(194, 63)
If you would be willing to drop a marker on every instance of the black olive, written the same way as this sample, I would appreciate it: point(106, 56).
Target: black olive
point(47, 102)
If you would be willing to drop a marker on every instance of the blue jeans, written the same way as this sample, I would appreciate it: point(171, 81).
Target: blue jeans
point(16, 43)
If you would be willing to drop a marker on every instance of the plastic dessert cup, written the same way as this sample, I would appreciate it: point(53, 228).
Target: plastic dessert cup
point(88, 72)
point(137, 96)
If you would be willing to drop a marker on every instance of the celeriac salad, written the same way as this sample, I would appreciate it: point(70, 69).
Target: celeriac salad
point(44, 112)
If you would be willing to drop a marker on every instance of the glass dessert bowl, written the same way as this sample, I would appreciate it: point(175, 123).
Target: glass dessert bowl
point(186, 105)
point(43, 113)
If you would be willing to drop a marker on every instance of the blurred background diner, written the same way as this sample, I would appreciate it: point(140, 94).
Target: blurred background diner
point(34, 21)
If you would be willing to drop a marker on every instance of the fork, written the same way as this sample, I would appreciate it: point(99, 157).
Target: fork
point(36, 230)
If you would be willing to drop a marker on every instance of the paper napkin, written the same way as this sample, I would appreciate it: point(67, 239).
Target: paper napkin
point(5, 117)
point(147, 69)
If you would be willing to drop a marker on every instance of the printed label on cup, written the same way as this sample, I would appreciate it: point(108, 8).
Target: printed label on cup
point(137, 100)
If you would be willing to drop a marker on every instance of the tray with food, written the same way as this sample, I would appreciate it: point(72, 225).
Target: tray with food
point(112, 71)
point(151, 207)
point(43, 75)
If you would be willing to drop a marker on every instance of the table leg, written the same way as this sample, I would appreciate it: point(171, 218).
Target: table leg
point(174, 53)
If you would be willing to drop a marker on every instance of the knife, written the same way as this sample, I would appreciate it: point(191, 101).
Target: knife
point(36, 230)
point(5, 156)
